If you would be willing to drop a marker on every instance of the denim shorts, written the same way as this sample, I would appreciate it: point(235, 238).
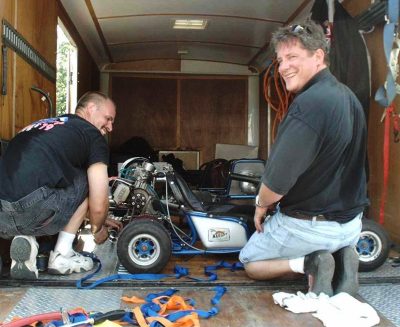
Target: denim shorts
point(285, 237)
point(45, 211)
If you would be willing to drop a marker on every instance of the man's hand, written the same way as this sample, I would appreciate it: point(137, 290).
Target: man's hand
point(101, 236)
point(259, 217)
point(113, 224)
point(266, 199)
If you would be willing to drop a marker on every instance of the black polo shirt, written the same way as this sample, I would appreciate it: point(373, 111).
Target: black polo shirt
point(318, 159)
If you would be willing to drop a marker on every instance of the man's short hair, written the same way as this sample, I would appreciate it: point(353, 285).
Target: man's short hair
point(310, 34)
point(92, 96)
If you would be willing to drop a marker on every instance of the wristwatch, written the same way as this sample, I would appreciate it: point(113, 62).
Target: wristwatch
point(258, 203)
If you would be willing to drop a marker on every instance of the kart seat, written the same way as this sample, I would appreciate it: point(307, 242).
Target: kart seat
point(186, 197)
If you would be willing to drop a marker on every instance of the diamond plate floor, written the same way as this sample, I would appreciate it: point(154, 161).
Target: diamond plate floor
point(384, 298)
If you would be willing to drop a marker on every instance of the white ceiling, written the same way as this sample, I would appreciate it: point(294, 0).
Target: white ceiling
point(238, 31)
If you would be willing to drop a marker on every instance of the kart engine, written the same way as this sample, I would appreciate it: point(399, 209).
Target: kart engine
point(135, 194)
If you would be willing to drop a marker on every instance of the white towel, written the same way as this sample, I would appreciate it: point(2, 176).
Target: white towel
point(339, 310)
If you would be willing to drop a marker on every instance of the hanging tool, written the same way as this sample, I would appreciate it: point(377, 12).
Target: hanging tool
point(47, 97)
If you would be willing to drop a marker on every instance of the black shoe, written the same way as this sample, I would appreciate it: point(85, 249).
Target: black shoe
point(345, 278)
point(320, 265)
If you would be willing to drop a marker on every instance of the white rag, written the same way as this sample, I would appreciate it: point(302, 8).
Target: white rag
point(339, 310)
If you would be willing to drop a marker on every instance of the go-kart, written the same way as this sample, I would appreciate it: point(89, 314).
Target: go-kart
point(163, 216)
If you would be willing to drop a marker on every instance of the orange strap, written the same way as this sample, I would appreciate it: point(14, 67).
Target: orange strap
point(175, 303)
point(133, 299)
point(139, 317)
point(190, 320)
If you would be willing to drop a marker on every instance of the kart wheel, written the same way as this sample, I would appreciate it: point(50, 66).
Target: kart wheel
point(373, 246)
point(144, 246)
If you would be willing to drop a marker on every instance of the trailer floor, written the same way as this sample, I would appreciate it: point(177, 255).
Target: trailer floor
point(246, 303)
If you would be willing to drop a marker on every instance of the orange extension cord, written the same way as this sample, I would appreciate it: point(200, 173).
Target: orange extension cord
point(276, 95)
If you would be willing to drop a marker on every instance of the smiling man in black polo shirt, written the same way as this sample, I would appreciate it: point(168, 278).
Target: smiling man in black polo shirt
point(315, 171)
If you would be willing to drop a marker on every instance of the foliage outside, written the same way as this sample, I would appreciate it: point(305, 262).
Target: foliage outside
point(64, 49)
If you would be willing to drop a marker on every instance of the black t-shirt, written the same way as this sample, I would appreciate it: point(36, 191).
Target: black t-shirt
point(318, 159)
point(49, 153)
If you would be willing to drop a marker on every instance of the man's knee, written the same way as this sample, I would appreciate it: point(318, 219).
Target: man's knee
point(255, 270)
point(267, 269)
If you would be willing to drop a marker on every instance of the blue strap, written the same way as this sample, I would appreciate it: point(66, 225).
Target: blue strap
point(95, 260)
point(152, 309)
point(386, 93)
point(209, 270)
point(123, 277)
point(152, 296)
point(179, 272)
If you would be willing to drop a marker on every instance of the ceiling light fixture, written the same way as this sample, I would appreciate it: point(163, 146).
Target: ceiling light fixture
point(190, 24)
point(182, 52)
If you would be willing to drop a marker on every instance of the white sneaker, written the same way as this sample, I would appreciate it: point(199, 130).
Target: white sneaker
point(73, 262)
point(23, 252)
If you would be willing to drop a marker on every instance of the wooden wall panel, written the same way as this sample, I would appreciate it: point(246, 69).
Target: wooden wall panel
point(146, 107)
point(28, 104)
point(7, 101)
point(212, 111)
point(180, 112)
point(37, 22)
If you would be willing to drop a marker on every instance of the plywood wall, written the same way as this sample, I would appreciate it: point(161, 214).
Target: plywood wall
point(21, 104)
point(146, 107)
point(180, 112)
point(212, 111)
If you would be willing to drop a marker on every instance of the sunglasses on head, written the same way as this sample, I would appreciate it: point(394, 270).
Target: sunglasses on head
point(298, 29)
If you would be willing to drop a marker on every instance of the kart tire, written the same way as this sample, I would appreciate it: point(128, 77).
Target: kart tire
point(373, 246)
point(144, 246)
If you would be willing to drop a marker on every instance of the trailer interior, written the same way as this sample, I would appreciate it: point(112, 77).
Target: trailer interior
point(193, 84)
